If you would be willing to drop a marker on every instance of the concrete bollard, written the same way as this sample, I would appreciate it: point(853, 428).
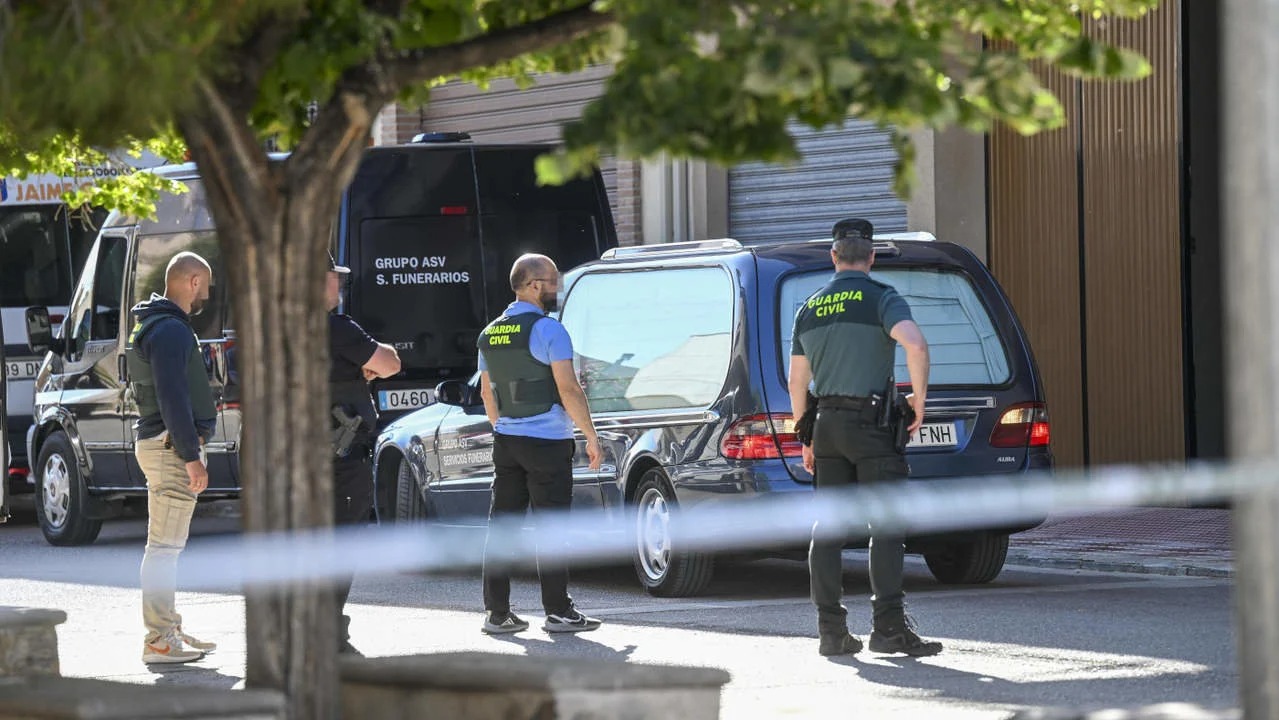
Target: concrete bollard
point(63, 698)
point(493, 686)
point(29, 641)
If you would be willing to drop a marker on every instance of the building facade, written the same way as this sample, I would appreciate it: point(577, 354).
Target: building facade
point(1104, 233)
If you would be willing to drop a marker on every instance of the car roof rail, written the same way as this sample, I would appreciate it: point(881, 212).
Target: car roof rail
point(913, 235)
point(441, 137)
point(675, 248)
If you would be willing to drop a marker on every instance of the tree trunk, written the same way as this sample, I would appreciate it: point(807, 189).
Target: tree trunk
point(273, 223)
point(1250, 109)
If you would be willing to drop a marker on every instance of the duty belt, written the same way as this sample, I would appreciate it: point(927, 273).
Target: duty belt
point(844, 402)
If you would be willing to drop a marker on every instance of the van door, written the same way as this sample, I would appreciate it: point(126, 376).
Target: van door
point(92, 386)
point(410, 227)
point(152, 255)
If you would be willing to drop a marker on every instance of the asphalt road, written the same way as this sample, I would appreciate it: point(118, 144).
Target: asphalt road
point(1032, 638)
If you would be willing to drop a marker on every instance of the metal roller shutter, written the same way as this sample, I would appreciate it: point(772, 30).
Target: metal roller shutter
point(845, 172)
point(505, 113)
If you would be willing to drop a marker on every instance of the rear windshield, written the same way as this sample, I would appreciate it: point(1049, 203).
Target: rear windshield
point(963, 343)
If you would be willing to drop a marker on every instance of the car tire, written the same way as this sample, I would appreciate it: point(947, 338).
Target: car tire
point(970, 562)
point(409, 506)
point(662, 567)
point(61, 497)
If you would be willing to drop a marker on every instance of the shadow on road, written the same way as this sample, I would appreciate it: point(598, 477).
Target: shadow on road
point(192, 674)
point(574, 645)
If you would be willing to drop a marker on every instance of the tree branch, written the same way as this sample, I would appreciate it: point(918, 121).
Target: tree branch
point(418, 66)
point(337, 136)
point(253, 58)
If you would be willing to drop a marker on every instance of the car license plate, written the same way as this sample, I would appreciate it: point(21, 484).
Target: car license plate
point(934, 435)
point(404, 399)
point(21, 369)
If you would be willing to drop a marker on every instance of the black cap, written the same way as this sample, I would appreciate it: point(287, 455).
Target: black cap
point(855, 228)
point(334, 267)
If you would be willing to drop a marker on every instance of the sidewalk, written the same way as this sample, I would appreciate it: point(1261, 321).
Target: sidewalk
point(1164, 541)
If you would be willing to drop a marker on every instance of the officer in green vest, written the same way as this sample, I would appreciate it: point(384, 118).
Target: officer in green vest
point(532, 397)
point(176, 416)
point(844, 345)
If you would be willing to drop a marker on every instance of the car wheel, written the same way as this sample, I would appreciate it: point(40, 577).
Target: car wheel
point(61, 498)
point(664, 569)
point(408, 497)
point(970, 562)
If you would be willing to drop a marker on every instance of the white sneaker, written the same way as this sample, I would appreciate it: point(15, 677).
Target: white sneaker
point(168, 649)
point(194, 643)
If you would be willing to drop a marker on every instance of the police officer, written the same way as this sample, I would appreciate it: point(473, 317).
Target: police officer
point(176, 416)
point(844, 344)
point(532, 398)
point(355, 359)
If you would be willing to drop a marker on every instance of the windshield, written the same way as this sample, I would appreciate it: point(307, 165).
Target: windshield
point(963, 343)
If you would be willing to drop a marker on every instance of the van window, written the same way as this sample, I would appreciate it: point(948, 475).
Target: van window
point(963, 343)
point(154, 254)
point(659, 339)
point(95, 309)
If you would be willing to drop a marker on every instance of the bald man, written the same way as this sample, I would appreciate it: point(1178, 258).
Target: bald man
point(532, 397)
point(176, 416)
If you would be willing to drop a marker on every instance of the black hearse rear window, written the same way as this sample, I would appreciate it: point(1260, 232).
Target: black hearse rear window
point(963, 343)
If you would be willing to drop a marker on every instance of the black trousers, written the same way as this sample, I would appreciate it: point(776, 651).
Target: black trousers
point(528, 473)
point(352, 501)
point(849, 448)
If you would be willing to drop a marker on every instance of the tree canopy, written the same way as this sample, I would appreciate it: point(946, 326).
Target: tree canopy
point(710, 78)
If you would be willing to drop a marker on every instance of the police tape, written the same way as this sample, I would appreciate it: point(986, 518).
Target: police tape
point(735, 523)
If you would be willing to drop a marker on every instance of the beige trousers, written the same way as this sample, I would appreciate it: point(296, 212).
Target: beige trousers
point(170, 504)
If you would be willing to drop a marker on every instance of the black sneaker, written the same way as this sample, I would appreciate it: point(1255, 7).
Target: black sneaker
point(570, 622)
point(900, 637)
point(839, 644)
point(496, 624)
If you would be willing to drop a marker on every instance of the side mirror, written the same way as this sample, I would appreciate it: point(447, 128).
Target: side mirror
point(455, 392)
point(40, 332)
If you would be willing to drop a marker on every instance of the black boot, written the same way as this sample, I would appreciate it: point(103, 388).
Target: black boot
point(895, 633)
point(837, 642)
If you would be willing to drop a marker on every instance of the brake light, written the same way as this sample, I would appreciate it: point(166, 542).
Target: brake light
point(751, 439)
point(1022, 425)
point(453, 210)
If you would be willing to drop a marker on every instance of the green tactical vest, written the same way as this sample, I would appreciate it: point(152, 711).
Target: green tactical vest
point(143, 380)
point(524, 386)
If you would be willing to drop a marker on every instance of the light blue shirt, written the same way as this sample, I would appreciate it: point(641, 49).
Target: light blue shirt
point(548, 342)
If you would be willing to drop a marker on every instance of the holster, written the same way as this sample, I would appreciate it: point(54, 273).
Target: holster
point(346, 430)
point(804, 425)
point(904, 417)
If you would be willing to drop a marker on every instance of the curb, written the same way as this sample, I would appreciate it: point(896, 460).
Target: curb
point(1129, 564)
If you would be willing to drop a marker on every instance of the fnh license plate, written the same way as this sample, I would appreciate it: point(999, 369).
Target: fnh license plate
point(934, 435)
point(404, 399)
point(21, 369)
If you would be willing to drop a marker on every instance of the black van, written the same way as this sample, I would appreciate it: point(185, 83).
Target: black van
point(430, 232)
point(429, 229)
point(683, 351)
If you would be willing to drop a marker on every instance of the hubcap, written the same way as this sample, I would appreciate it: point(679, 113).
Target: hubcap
point(56, 481)
point(653, 534)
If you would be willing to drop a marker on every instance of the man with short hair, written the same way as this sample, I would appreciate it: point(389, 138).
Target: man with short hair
point(532, 398)
point(844, 344)
point(176, 416)
point(355, 358)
